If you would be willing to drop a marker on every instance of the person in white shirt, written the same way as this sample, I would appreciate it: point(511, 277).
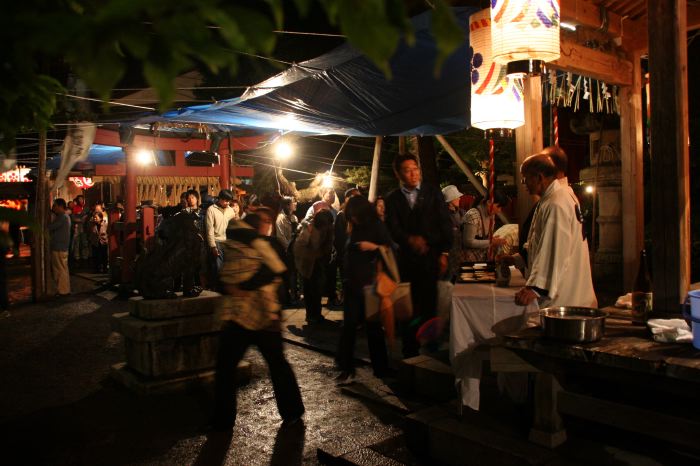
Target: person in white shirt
point(328, 196)
point(560, 161)
point(286, 222)
point(558, 272)
point(285, 232)
point(218, 216)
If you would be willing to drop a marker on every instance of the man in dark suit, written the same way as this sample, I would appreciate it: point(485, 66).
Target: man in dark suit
point(419, 222)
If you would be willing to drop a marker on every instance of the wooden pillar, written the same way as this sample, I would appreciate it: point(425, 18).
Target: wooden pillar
point(428, 164)
point(40, 273)
point(130, 215)
point(114, 243)
point(670, 191)
point(528, 141)
point(374, 176)
point(225, 174)
point(632, 155)
point(548, 426)
point(148, 227)
point(180, 158)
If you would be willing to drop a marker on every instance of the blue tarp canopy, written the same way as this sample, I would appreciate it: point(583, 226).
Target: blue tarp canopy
point(342, 92)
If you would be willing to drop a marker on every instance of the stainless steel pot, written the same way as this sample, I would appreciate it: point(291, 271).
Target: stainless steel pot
point(574, 324)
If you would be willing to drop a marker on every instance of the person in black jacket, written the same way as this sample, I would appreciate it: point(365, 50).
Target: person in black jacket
point(340, 237)
point(365, 234)
point(419, 222)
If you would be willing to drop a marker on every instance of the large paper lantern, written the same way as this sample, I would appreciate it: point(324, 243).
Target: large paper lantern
point(525, 34)
point(496, 99)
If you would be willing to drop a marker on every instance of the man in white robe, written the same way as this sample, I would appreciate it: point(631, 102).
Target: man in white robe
point(559, 272)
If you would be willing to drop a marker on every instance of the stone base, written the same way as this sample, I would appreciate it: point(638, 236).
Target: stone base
point(448, 440)
point(173, 356)
point(151, 386)
point(159, 309)
point(429, 377)
point(547, 439)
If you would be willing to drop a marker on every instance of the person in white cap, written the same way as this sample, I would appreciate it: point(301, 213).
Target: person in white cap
point(475, 238)
point(452, 197)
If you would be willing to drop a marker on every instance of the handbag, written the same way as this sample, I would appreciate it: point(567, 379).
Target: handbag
point(388, 293)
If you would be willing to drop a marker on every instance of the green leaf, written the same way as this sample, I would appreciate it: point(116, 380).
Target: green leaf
point(448, 35)
point(277, 12)
point(162, 81)
point(368, 28)
point(257, 30)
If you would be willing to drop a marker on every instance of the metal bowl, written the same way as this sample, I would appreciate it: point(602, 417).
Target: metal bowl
point(573, 324)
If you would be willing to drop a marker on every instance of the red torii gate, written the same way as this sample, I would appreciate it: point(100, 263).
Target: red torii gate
point(226, 149)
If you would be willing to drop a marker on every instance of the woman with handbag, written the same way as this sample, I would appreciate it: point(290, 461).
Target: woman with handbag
point(366, 233)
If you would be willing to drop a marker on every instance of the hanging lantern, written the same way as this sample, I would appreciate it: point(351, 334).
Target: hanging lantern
point(525, 34)
point(496, 99)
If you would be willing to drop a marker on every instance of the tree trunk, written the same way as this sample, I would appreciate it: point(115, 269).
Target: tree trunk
point(428, 163)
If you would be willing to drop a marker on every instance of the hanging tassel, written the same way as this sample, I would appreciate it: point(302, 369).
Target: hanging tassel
point(492, 183)
point(555, 125)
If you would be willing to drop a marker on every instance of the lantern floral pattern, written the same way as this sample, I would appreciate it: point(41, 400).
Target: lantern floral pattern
point(525, 30)
point(82, 182)
point(496, 99)
point(18, 175)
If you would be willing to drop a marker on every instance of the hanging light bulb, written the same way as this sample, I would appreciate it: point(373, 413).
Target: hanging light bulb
point(327, 180)
point(283, 150)
point(496, 99)
point(525, 34)
point(145, 157)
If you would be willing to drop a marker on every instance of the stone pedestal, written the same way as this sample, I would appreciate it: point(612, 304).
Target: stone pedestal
point(170, 343)
point(605, 175)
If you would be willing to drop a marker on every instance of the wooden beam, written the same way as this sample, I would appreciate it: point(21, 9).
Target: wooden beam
point(111, 138)
point(120, 170)
point(670, 191)
point(593, 63)
point(528, 141)
point(631, 34)
point(632, 151)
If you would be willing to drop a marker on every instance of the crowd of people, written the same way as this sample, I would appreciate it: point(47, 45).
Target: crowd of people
point(262, 258)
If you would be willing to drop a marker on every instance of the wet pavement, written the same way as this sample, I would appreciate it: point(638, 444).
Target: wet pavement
point(58, 405)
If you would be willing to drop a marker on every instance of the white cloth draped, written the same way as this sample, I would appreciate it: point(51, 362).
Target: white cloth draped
point(481, 312)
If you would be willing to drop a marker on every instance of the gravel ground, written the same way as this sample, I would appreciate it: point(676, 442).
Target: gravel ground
point(58, 405)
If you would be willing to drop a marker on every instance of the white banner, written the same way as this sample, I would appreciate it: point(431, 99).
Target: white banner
point(76, 147)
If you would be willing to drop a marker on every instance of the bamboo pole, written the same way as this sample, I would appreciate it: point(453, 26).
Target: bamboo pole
point(374, 177)
point(470, 175)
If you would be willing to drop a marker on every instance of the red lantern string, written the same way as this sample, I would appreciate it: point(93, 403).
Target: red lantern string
point(555, 125)
point(492, 182)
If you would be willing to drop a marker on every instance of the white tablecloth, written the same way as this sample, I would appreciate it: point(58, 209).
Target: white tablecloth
point(481, 312)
